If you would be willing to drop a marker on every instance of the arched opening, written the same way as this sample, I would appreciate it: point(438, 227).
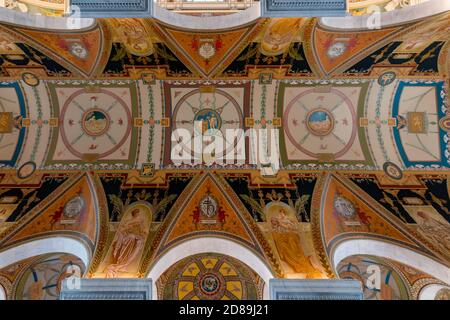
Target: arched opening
point(210, 245)
point(2, 293)
point(211, 22)
point(430, 291)
point(44, 246)
point(391, 251)
point(43, 21)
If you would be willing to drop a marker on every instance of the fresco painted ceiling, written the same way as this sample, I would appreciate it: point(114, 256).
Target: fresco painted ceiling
point(382, 93)
point(86, 119)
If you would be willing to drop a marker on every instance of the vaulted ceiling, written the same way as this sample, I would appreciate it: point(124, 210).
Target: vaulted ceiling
point(382, 92)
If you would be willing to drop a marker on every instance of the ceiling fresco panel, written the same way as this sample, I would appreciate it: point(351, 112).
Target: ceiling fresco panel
point(12, 133)
point(321, 122)
point(219, 106)
point(421, 137)
point(95, 123)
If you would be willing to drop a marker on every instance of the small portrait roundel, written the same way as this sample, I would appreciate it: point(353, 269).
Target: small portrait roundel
point(386, 78)
point(444, 123)
point(392, 170)
point(26, 170)
point(30, 79)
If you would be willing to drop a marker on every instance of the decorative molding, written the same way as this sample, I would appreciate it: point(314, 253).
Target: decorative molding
point(114, 8)
point(102, 225)
point(6, 285)
point(303, 8)
point(318, 242)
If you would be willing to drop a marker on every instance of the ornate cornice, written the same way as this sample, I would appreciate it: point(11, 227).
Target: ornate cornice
point(316, 231)
point(102, 225)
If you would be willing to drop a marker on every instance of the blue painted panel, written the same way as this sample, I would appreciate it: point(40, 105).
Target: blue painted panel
point(22, 109)
point(444, 161)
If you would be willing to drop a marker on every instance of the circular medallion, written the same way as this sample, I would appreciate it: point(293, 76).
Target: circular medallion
point(207, 50)
point(336, 49)
point(30, 79)
point(73, 207)
point(444, 123)
point(386, 78)
point(208, 206)
point(392, 171)
point(209, 284)
point(210, 119)
point(95, 122)
point(26, 170)
point(77, 49)
point(320, 122)
point(344, 207)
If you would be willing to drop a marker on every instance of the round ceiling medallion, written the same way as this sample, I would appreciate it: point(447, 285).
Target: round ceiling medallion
point(210, 119)
point(210, 284)
point(95, 122)
point(320, 122)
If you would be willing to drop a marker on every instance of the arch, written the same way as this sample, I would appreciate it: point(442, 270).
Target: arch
point(387, 19)
point(429, 292)
point(43, 246)
point(394, 252)
point(44, 22)
point(215, 245)
point(210, 22)
point(2, 293)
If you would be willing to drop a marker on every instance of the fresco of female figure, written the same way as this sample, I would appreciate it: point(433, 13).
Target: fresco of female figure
point(127, 245)
point(287, 242)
